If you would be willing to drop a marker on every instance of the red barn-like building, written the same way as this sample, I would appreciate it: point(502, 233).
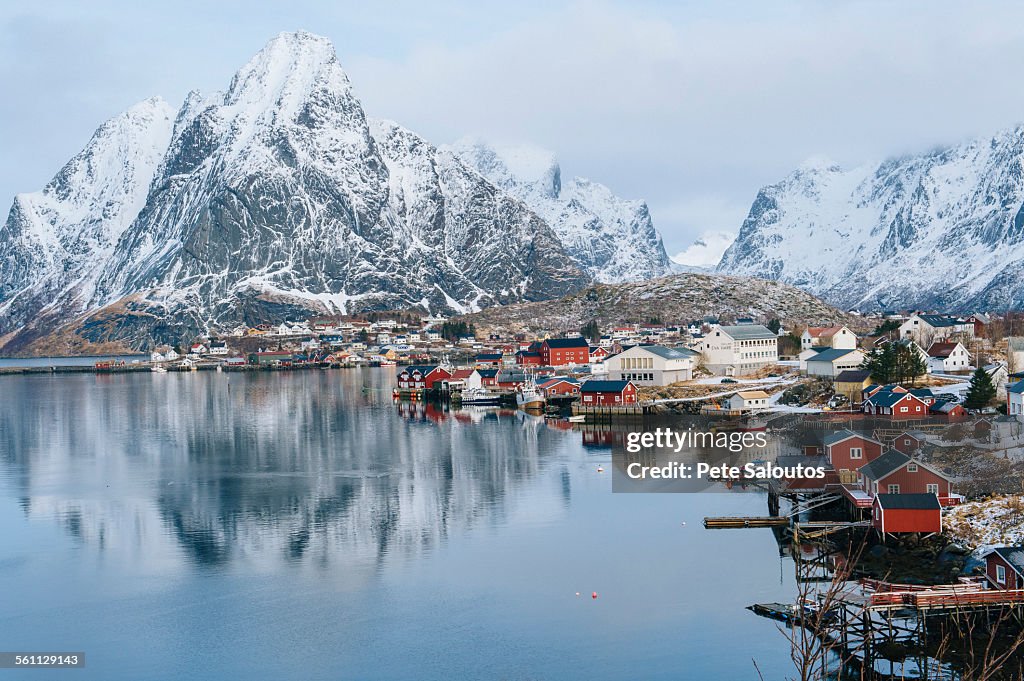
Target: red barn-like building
point(608, 393)
point(897, 405)
point(906, 513)
point(896, 473)
point(908, 442)
point(556, 352)
point(559, 387)
point(1004, 567)
point(847, 451)
point(529, 358)
point(421, 377)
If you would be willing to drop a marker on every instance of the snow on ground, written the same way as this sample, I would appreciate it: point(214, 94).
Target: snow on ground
point(984, 524)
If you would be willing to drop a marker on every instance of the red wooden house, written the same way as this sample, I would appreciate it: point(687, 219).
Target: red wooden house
point(950, 410)
point(1004, 567)
point(529, 358)
point(607, 393)
point(488, 377)
point(847, 451)
point(559, 387)
point(556, 352)
point(598, 354)
point(420, 377)
point(908, 442)
point(896, 405)
point(896, 473)
point(906, 513)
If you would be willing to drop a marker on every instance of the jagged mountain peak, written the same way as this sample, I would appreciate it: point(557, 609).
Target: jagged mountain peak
point(278, 197)
point(939, 229)
point(613, 239)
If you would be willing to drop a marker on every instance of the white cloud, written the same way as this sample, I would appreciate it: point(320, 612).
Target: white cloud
point(690, 106)
point(707, 250)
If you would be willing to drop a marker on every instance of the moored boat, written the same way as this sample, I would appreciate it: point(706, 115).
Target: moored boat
point(528, 397)
point(480, 397)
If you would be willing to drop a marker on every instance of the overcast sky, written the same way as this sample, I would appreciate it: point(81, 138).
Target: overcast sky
point(691, 106)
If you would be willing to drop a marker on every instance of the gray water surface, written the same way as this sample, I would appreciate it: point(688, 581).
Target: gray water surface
point(299, 525)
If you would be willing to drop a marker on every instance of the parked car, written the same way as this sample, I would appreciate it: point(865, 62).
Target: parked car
point(728, 380)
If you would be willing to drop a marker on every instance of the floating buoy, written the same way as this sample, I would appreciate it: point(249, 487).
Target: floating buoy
point(683, 523)
point(594, 595)
point(577, 594)
point(600, 469)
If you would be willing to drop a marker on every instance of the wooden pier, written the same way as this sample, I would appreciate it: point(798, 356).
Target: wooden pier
point(743, 522)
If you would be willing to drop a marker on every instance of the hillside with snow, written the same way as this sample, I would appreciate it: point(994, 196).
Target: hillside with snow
point(941, 230)
point(676, 297)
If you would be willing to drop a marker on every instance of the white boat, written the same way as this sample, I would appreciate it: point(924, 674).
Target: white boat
point(480, 397)
point(528, 397)
point(158, 370)
point(578, 418)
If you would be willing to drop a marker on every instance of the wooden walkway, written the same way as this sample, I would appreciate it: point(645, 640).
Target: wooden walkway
point(741, 522)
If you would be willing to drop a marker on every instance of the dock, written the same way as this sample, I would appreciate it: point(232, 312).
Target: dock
point(739, 522)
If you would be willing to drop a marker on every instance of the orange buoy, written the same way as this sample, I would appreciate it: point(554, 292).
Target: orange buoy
point(594, 595)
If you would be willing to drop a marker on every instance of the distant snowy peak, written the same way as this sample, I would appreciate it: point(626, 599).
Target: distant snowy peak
point(611, 238)
point(944, 229)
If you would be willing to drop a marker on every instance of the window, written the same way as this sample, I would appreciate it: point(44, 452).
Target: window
point(856, 453)
point(911, 467)
point(894, 489)
point(1000, 574)
point(932, 488)
point(903, 410)
point(906, 441)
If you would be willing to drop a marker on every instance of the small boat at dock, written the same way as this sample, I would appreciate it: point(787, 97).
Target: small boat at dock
point(528, 397)
point(480, 397)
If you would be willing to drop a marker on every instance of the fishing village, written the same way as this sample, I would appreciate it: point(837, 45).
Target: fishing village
point(913, 533)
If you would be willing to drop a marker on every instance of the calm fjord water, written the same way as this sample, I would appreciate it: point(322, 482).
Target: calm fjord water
point(301, 526)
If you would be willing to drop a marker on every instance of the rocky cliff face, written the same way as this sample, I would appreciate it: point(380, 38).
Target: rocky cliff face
point(612, 239)
point(939, 230)
point(276, 197)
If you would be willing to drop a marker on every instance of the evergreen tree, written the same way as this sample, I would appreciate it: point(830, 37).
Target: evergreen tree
point(981, 391)
point(881, 363)
point(895, 363)
point(591, 331)
point(774, 325)
point(908, 363)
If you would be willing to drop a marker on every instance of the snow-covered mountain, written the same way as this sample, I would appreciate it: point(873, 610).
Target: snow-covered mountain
point(940, 230)
point(613, 239)
point(275, 197)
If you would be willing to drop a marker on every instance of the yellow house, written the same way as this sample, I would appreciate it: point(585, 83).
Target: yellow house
point(851, 382)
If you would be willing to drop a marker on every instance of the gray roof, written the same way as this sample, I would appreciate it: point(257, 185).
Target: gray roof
point(1016, 343)
point(841, 435)
point(938, 320)
point(748, 332)
point(669, 353)
point(1013, 555)
point(917, 502)
point(853, 376)
point(830, 355)
point(884, 465)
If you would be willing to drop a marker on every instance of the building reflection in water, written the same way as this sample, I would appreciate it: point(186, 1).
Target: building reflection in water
point(311, 469)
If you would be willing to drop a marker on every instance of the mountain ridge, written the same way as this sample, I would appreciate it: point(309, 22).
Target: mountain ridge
point(275, 197)
point(942, 229)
